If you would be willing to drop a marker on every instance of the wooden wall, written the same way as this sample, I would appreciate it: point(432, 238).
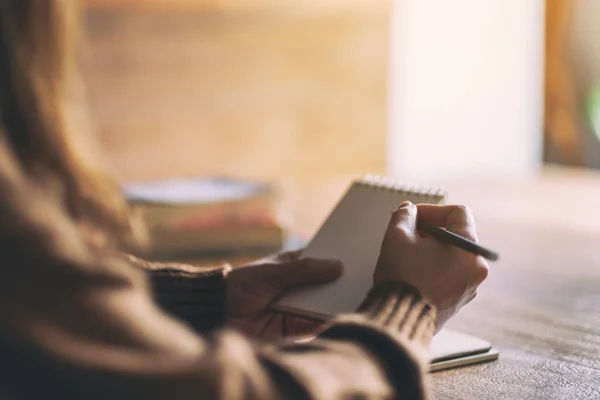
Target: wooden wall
point(260, 89)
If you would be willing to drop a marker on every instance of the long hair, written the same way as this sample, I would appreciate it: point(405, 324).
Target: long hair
point(41, 154)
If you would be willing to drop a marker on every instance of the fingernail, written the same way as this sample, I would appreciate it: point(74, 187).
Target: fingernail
point(405, 204)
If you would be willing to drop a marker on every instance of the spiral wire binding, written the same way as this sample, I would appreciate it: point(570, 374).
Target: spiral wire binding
point(388, 184)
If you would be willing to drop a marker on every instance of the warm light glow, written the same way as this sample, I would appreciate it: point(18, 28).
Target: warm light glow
point(466, 88)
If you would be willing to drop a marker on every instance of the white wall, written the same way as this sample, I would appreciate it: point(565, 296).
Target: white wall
point(466, 88)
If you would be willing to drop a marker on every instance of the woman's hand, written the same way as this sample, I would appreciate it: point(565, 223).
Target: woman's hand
point(446, 276)
point(251, 289)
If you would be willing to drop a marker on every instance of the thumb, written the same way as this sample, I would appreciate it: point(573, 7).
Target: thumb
point(404, 220)
point(304, 271)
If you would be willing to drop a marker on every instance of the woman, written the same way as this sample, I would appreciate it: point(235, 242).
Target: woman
point(77, 316)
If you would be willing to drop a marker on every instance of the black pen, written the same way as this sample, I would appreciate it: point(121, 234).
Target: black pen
point(446, 236)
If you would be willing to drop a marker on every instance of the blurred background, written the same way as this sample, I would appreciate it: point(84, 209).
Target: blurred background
point(257, 89)
point(294, 92)
point(417, 88)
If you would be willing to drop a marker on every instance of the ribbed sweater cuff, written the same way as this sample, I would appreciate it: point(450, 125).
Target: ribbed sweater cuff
point(396, 325)
point(400, 307)
point(193, 294)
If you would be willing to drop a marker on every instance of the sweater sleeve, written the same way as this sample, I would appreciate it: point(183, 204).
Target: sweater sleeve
point(196, 296)
point(192, 294)
point(88, 328)
point(396, 325)
point(379, 352)
point(393, 322)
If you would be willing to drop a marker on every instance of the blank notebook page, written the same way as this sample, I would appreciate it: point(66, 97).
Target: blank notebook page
point(353, 233)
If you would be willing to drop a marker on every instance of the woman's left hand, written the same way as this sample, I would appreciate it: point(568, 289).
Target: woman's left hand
point(252, 288)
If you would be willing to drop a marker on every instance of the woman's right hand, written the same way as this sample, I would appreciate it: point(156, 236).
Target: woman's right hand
point(446, 276)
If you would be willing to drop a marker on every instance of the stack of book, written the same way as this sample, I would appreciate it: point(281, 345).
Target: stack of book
point(208, 219)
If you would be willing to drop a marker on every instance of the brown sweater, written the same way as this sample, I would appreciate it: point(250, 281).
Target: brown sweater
point(93, 332)
point(80, 323)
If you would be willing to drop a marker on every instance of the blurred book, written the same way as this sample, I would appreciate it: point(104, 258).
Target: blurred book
point(291, 242)
point(209, 218)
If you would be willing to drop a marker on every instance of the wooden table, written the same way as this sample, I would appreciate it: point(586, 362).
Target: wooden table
point(540, 306)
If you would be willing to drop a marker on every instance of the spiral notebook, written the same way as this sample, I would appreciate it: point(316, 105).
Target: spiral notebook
point(353, 233)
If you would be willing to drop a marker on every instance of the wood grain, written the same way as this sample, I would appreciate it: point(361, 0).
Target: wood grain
point(541, 303)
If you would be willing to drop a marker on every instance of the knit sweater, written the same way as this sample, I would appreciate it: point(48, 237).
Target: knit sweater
point(395, 310)
point(73, 329)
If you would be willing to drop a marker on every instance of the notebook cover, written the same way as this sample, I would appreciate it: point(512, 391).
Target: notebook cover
point(451, 349)
point(451, 344)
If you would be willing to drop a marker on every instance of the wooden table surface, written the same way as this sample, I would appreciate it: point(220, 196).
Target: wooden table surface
point(540, 306)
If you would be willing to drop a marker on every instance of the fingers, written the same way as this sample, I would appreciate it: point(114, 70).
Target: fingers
point(404, 220)
point(455, 218)
point(304, 271)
